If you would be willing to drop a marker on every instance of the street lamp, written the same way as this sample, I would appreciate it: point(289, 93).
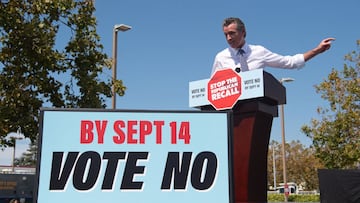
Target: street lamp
point(123, 28)
point(282, 80)
point(274, 165)
point(17, 136)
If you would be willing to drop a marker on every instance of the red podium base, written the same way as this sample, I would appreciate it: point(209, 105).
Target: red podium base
point(253, 117)
point(252, 127)
point(251, 133)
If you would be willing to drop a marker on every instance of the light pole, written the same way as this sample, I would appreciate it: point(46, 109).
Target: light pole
point(123, 28)
point(286, 189)
point(274, 165)
point(18, 136)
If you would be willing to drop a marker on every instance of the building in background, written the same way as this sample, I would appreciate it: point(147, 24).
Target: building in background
point(18, 184)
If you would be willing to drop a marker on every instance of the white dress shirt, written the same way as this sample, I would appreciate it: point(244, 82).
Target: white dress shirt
point(256, 57)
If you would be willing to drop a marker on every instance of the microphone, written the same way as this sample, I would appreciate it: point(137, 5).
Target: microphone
point(238, 69)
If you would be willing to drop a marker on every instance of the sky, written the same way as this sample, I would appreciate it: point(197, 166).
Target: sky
point(174, 42)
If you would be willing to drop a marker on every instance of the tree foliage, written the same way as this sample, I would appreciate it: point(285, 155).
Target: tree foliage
point(29, 157)
point(301, 165)
point(50, 56)
point(336, 137)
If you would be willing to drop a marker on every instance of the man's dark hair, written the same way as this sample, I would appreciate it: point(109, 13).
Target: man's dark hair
point(240, 24)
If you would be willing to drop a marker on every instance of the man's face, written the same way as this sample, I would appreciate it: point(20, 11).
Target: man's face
point(234, 37)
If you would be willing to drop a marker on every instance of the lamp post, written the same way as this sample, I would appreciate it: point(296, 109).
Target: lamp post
point(286, 189)
point(18, 136)
point(123, 28)
point(274, 165)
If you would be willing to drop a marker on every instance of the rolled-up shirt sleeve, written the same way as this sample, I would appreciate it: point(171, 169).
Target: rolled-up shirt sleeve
point(278, 61)
point(257, 57)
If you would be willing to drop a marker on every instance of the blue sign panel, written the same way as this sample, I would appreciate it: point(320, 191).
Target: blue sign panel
point(97, 156)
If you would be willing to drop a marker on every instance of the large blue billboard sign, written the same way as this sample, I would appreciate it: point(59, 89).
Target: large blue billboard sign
point(97, 156)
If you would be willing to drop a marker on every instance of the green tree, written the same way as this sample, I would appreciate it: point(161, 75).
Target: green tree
point(36, 70)
point(301, 164)
point(29, 157)
point(336, 137)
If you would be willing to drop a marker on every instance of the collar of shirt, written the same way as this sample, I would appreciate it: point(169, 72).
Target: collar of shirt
point(245, 47)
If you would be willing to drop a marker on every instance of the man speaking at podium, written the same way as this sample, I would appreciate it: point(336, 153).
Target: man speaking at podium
point(244, 57)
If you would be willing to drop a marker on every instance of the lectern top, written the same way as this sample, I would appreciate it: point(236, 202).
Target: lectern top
point(249, 85)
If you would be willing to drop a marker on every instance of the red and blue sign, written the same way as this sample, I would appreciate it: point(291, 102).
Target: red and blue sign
point(134, 156)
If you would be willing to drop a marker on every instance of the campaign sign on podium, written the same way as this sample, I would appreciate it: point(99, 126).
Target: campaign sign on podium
point(224, 89)
point(224, 86)
point(93, 156)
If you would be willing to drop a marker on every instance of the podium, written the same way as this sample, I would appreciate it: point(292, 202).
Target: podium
point(253, 113)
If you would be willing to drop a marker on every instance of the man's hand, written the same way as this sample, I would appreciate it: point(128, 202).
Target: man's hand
point(323, 46)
